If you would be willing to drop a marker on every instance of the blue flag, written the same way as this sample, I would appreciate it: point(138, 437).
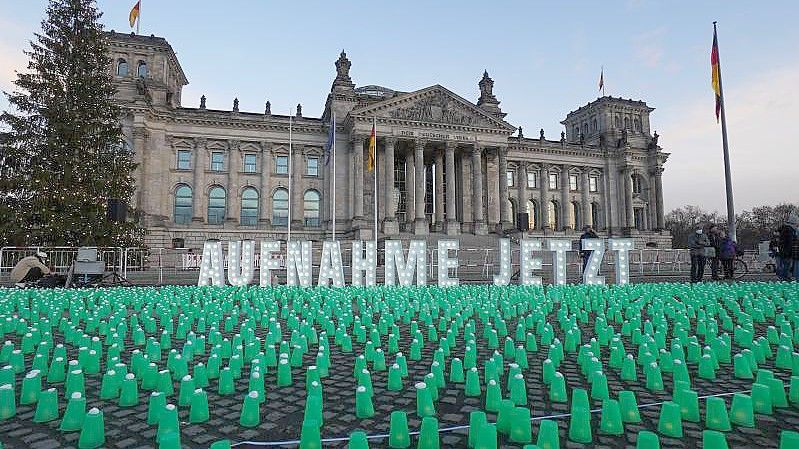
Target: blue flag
point(331, 137)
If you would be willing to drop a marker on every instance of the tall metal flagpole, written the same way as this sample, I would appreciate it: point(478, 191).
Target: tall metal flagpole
point(138, 19)
point(374, 125)
point(333, 204)
point(731, 231)
point(288, 238)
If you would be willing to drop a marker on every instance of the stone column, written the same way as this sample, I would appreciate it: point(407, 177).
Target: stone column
point(521, 190)
point(439, 181)
point(628, 198)
point(660, 221)
point(390, 226)
point(420, 225)
point(356, 180)
point(566, 211)
point(545, 197)
point(198, 189)
point(265, 214)
point(477, 189)
point(139, 157)
point(410, 188)
point(297, 192)
point(505, 220)
point(234, 166)
point(586, 201)
point(453, 225)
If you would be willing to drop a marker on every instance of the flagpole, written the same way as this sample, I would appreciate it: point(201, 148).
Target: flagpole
point(731, 231)
point(138, 19)
point(288, 237)
point(333, 204)
point(603, 80)
point(374, 125)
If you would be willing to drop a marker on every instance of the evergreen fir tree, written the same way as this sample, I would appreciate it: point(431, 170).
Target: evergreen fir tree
point(63, 154)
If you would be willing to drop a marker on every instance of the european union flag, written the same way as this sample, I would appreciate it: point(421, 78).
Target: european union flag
point(331, 138)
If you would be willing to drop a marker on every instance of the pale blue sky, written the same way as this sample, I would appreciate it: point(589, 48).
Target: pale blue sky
point(545, 60)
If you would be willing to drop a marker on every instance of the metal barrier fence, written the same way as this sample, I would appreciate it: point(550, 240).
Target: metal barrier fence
point(166, 265)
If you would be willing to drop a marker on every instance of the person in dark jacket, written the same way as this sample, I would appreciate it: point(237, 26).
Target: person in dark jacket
point(588, 233)
point(716, 237)
point(793, 222)
point(781, 246)
point(697, 242)
point(727, 253)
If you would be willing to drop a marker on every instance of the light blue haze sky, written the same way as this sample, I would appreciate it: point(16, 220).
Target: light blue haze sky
point(545, 59)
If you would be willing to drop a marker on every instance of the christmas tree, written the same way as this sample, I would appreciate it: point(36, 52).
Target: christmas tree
point(62, 151)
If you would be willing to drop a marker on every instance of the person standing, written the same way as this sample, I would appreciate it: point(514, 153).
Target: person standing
point(729, 249)
point(716, 237)
point(697, 243)
point(793, 222)
point(782, 248)
point(588, 233)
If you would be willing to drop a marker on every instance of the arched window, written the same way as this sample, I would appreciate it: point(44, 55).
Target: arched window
point(617, 121)
point(249, 207)
point(585, 129)
point(594, 126)
point(141, 71)
point(183, 205)
point(575, 216)
point(626, 123)
point(532, 214)
point(216, 205)
point(637, 125)
point(122, 67)
point(312, 207)
point(280, 207)
point(554, 215)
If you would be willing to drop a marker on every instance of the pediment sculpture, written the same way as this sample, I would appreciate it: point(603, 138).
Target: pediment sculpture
point(439, 108)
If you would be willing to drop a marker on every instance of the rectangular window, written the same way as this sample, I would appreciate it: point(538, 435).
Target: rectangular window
point(553, 180)
point(511, 176)
point(249, 163)
point(282, 165)
point(572, 182)
point(184, 160)
point(217, 161)
point(593, 184)
point(532, 179)
point(312, 166)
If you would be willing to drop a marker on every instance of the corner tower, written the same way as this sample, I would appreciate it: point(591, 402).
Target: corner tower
point(608, 121)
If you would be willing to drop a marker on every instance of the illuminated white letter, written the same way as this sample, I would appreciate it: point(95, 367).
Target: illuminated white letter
point(330, 266)
point(528, 263)
point(503, 278)
point(364, 264)
point(240, 262)
point(298, 263)
point(445, 263)
point(559, 248)
point(395, 262)
point(591, 272)
point(213, 264)
point(268, 264)
point(622, 248)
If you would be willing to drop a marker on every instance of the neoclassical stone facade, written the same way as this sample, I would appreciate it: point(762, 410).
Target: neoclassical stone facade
point(445, 166)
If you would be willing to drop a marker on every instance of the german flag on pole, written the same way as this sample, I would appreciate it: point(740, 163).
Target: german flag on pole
point(370, 160)
point(134, 13)
point(716, 74)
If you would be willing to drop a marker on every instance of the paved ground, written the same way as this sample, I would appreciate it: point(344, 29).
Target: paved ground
point(283, 409)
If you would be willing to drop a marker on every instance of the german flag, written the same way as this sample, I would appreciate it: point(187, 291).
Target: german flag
point(370, 160)
point(134, 13)
point(716, 73)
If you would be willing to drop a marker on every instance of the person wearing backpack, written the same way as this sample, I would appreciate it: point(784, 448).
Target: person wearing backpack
point(729, 249)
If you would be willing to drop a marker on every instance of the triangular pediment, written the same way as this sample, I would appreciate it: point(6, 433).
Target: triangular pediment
point(434, 104)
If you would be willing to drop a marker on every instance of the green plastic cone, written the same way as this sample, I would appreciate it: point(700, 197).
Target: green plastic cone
point(310, 438)
point(716, 417)
point(251, 410)
point(670, 421)
point(580, 425)
point(557, 389)
point(358, 440)
point(761, 399)
point(629, 407)
point(198, 411)
point(168, 424)
point(92, 435)
point(789, 439)
point(363, 403)
point(424, 401)
point(647, 440)
point(548, 436)
point(109, 388)
point(477, 419)
point(520, 429)
point(8, 402)
point(428, 434)
point(221, 444)
point(487, 438)
point(742, 410)
point(611, 423)
point(74, 413)
point(129, 393)
point(712, 439)
point(398, 436)
point(395, 378)
point(31, 388)
point(47, 407)
point(155, 407)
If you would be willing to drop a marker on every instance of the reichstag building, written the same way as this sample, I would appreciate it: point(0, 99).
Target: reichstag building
point(446, 166)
